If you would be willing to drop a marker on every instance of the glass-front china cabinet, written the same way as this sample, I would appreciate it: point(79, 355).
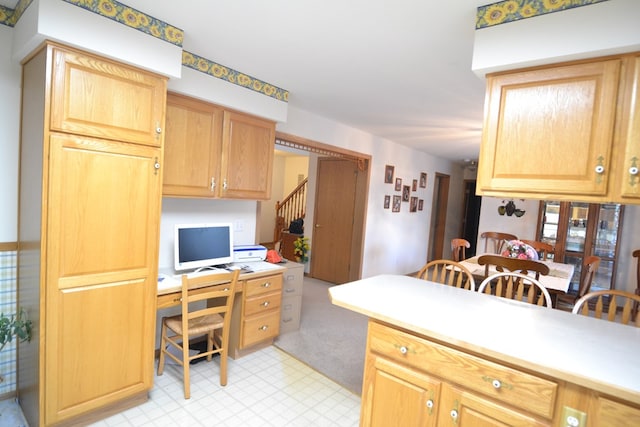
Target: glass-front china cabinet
point(577, 230)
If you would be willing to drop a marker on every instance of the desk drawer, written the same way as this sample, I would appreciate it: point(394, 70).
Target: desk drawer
point(262, 302)
point(517, 388)
point(263, 284)
point(260, 327)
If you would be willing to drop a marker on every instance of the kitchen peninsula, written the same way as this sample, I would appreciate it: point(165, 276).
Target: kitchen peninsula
point(439, 355)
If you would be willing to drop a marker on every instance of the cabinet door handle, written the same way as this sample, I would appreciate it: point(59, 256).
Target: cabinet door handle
point(213, 183)
point(224, 184)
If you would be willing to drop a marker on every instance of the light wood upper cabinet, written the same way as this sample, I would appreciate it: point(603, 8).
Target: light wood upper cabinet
point(629, 175)
point(193, 143)
point(561, 132)
point(216, 153)
point(101, 98)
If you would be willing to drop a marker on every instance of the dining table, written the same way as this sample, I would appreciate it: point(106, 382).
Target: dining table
point(557, 281)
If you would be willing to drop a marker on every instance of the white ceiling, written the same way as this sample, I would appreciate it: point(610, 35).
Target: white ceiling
point(398, 69)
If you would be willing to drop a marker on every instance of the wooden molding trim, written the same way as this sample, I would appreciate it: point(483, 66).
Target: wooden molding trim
point(310, 145)
point(8, 246)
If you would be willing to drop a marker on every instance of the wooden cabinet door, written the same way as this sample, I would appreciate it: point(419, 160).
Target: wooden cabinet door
point(614, 414)
point(550, 130)
point(395, 395)
point(102, 228)
point(629, 169)
point(192, 147)
point(100, 98)
point(247, 157)
point(461, 408)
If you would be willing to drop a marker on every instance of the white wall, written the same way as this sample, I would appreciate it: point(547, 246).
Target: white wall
point(9, 137)
point(523, 227)
point(583, 32)
point(394, 242)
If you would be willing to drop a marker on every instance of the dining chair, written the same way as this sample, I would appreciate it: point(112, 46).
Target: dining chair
point(458, 247)
point(516, 286)
point(567, 301)
point(502, 263)
point(497, 241)
point(449, 273)
point(605, 303)
point(194, 321)
point(544, 250)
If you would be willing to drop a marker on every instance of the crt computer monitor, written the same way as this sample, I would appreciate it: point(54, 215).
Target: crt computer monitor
point(202, 245)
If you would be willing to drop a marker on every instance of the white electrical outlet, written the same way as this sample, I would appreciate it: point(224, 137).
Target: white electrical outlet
point(573, 418)
point(238, 225)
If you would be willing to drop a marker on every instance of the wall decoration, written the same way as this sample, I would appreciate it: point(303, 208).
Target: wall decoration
point(405, 193)
point(420, 204)
point(413, 206)
point(396, 204)
point(398, 184)
point(388, 174)
point(387, 201)
point(414, 186)
point(423, 180)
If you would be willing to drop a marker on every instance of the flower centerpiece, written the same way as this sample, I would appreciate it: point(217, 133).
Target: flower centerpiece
point(520, 250)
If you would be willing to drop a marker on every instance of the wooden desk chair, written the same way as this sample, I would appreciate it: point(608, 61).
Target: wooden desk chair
point(600, 308)
point(518, 287)
point(497, 240)
point(523, 266)
point(544, 250)
point(449, 273)
point(636, 255)
point(458, 247)
point(590, 266)
point(218, 287)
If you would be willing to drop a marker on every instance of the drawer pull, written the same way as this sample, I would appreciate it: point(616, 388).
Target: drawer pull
point(429, 403)
point(265, 304)
point(403, 349)
point(266, 284)
point(453, 414)
point(497, 384)
point(263, 328)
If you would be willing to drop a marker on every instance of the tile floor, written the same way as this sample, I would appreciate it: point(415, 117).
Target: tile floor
point(265, 388)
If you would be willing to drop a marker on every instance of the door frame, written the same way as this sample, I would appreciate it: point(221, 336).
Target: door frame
point(362, 195)
point(439, 217)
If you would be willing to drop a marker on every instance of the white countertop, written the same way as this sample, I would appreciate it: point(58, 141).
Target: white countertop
point(590, 352)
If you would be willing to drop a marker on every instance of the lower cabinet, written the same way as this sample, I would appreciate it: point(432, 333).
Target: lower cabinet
point(255, 320)
point(412, 381)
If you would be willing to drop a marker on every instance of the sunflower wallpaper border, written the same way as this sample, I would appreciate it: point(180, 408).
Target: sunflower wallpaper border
point(506, 11)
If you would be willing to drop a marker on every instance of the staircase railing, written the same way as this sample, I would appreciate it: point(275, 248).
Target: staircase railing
point(292, 207)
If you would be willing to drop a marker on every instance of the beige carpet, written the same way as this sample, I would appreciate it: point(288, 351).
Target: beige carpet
point(331, 340)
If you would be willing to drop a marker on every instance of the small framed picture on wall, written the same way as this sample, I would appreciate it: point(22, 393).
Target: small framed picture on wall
point(387, 201)
point(396, 204)
point(423, 180)
point(398, 184)
point(388, 174)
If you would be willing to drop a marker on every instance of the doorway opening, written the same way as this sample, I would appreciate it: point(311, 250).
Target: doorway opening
point(355, 238)
point(471, 216)
point(438, 216)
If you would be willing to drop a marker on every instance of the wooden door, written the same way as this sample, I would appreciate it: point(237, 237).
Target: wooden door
point(549, 130)
point(439, 217)
point(246, 165)
point(102, 228)
point(398, 396)
point(461, 408)
point(96, 97)
point(334, 218)
point(192, 147)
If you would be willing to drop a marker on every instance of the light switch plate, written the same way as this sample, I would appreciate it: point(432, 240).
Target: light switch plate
point(573, 418)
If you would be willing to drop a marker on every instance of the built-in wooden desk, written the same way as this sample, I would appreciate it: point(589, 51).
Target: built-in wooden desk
point(255, 317)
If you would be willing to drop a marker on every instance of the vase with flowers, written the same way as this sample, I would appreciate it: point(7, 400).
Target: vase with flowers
point(301, 249)
point(520, 250)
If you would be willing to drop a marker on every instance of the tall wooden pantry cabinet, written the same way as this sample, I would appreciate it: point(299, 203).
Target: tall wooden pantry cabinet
point(90, 197)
